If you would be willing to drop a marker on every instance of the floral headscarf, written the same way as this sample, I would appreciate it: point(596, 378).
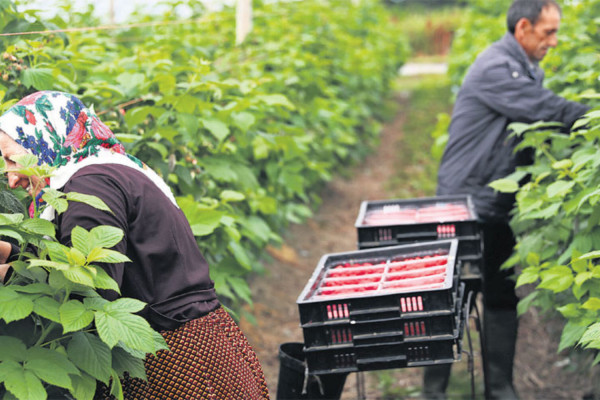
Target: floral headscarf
point(62, 132)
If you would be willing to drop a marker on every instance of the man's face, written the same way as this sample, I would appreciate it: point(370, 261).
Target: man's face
point(537, 39)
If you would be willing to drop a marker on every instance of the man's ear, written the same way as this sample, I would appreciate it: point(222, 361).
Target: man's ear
point(522, 27)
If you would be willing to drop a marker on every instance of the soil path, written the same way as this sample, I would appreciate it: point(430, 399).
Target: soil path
point(331, 230)
point(539, 372)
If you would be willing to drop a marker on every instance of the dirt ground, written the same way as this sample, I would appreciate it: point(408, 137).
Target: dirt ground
point(539, 372)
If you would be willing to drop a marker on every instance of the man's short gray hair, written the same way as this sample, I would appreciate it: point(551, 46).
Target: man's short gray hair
point(530, 9)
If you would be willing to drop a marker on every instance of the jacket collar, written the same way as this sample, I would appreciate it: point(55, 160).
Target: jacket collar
point(513, 47)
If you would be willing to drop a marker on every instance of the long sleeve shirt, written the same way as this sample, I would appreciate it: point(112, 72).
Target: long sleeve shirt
point(167, 269)
point(502, 86)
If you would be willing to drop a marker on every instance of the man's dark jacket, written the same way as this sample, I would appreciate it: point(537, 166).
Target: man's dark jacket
point(502, 86)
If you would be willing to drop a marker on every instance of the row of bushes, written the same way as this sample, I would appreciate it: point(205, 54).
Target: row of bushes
point(245, 135)
point(556, 214)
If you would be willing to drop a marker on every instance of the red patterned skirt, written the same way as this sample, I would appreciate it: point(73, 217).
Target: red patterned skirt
point(210, 358)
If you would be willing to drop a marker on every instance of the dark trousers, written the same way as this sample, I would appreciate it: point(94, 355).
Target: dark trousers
point(497, 287)
point(499, 320)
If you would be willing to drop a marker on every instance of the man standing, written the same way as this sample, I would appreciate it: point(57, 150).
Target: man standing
point(503, 85)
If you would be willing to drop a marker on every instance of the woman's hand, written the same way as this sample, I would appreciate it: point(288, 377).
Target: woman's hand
point(5, 249)
point(3, 270)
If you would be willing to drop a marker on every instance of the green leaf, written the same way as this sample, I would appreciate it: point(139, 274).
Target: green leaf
point(81, 239)
point(578, 266)
point(38, 78)
point(504, 185)
point(544, 213)
point(159, 147)
point(216, 127)
point(570, 310)
point(241, 288)
point(12, 349)
point(243, 120)
point(84, 387)
point(57, 252)
point(80, 275)
point(275, 100)
point(50, 264)
point(76, 257)
point(48, 308)
point(11, 219)
point(240, 255)
point(106, 236)
point(589, 256)
point(104, 281)
point(34, 288)
point(528, 275)
point(526, 302)
point(116, 389)
point(95, 303)
point(55, 198)
point(591, 336)
point(51, 367)
point(570, 335)
point(131, 81)
point(125, 304)
point(127, 137)
point(231, 196)
point(106, 256)
point(219, 169)
point(60, 205)
point(593, 303)
point(533, 259)
point(90, 354)
point(562, 164)
point(39, 226)
point(90, 200)
point(12, 234)
point(9, 202)
point(23, 384)
point(74, 316)
point(14, 306)
point(205, 222)
point(556, 279)
point(114, 326)
point(581, 277)
point(559, 188)
point(122, 362)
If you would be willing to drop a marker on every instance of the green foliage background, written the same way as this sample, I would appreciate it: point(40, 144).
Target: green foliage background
point(245, 135)
point(557, 211)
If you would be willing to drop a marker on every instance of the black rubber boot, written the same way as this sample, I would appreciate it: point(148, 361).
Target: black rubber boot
point(500, 335)
point(435, 381)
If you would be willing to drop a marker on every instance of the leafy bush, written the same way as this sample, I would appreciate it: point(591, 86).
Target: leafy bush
point(57, 334)
point(557, 210)
point(245, 135)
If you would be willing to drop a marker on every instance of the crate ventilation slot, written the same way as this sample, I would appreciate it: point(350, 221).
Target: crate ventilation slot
point(415, 328)
point(341, 335)
point(411, 304)
point(446, 231)
point(337, 311)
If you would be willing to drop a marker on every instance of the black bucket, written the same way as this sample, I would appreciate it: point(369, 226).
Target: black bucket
point(296, 384)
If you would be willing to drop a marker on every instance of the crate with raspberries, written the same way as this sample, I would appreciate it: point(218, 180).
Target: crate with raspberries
point(361, 308)
point(384, 223)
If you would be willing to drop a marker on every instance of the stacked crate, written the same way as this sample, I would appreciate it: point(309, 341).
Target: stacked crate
point(393, 222)
point(392, 307)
